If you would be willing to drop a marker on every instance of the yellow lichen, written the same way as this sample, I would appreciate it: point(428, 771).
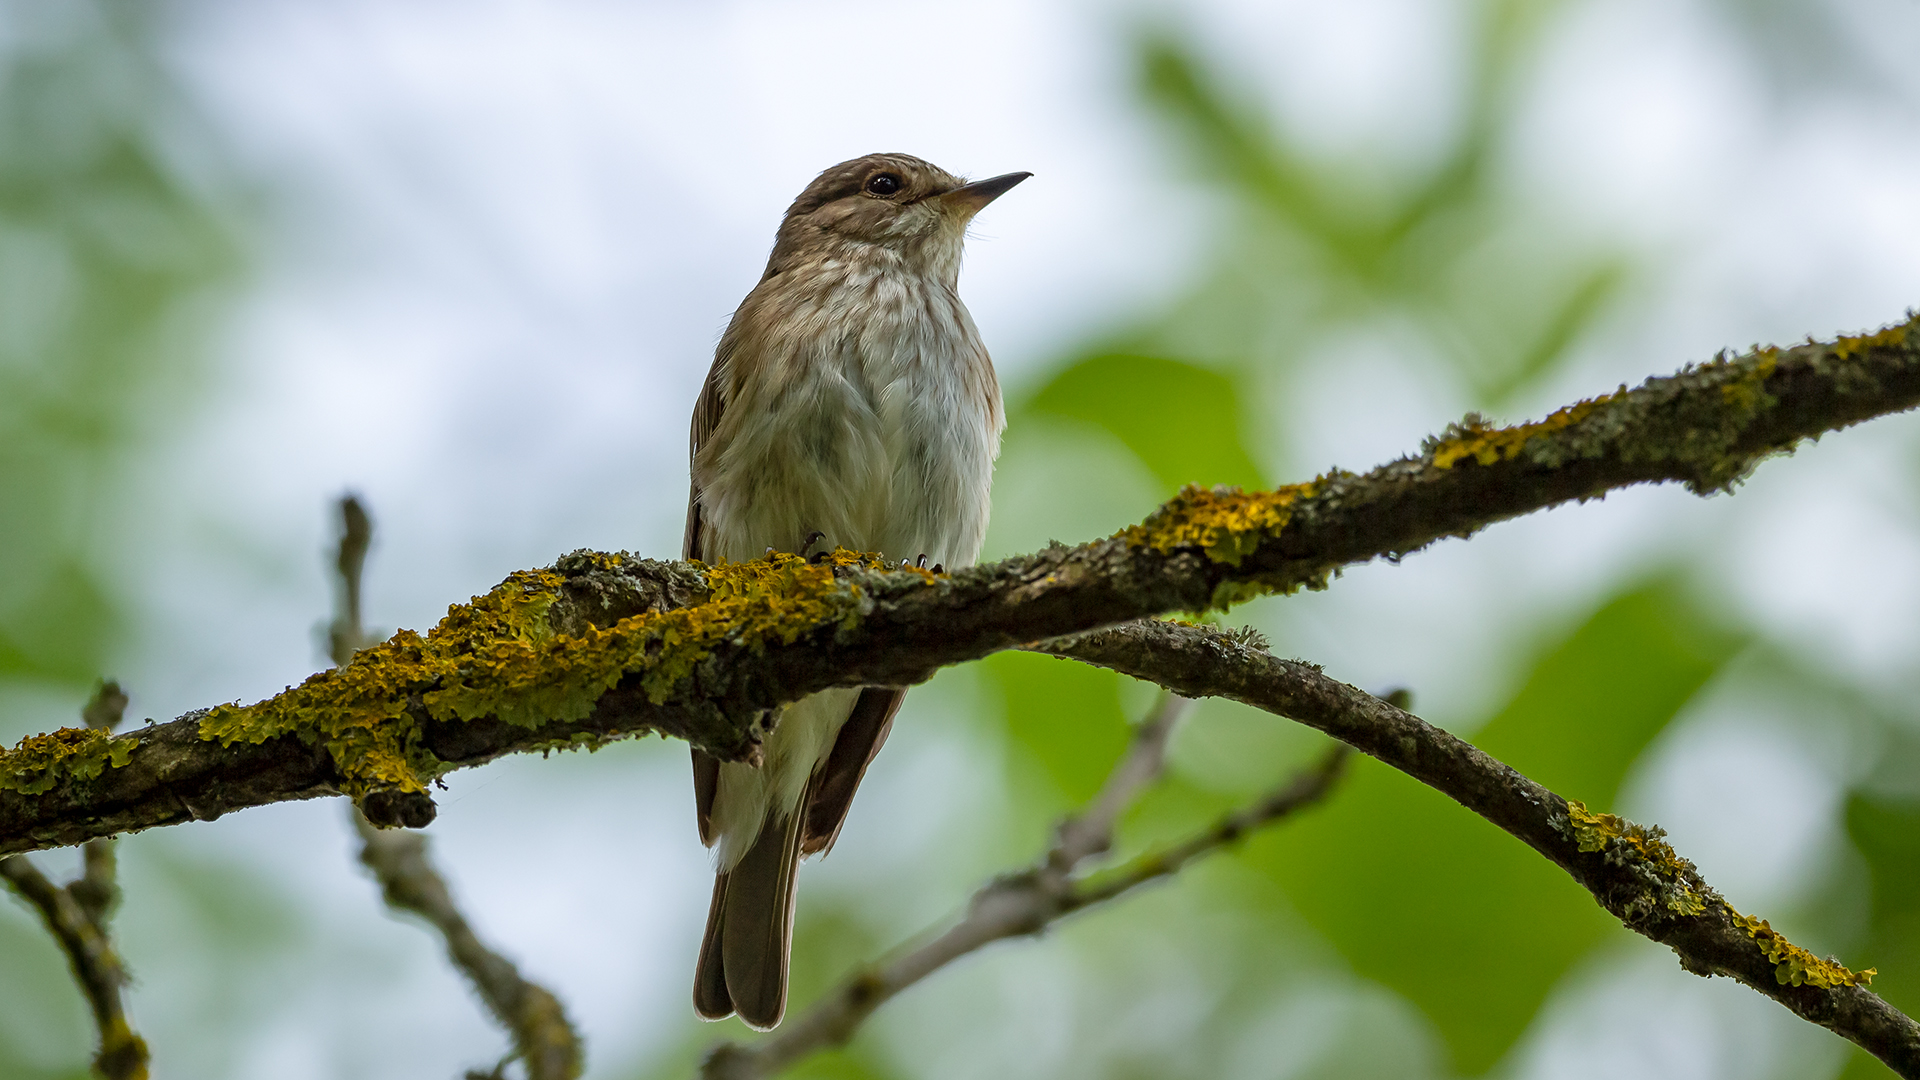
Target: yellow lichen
point(498, 656)
point(38, 762)
point(1851, 346)
point(1601, 832)
point(1226, 523)
point(1487, 444)
point(1795, 966)
point(1747, 394)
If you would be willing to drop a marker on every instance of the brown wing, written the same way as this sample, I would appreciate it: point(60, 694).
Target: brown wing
point(859, 742)
point(706, 416)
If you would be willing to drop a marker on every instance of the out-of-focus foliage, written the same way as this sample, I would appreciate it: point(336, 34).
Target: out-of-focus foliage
point(1470, 925)
point(1182, 420)
point(1413, 894)
point(109, 259)
point(105, 251)
point(1883, 820)
point(1387, 934)
point(1327, 244)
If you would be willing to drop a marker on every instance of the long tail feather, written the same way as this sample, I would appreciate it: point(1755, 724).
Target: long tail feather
point(757, 936)
point(749, 937)
point(710, 997)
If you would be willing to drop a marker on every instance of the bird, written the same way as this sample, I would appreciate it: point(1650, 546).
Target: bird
point(851, 404)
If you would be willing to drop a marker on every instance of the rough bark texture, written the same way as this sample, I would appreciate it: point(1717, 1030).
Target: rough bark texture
point(1629, 870)
point(849, 624)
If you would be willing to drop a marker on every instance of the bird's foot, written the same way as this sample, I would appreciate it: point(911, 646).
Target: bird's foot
point(806, 545)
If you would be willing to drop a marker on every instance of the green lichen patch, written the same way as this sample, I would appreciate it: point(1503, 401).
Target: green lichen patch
point(499, 657)
point(1673, 879)
point(1476, 438)
point(38, 762)
point(1795, 966)
point(1678, 418)
point(1226, 523)
point(1847, 347)
point(360, 712)
point(1682, 893)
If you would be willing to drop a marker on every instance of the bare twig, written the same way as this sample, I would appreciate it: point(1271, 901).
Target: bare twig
point(347, 635)
point(76, 916)
point(1090, 832)
point(1027, 902)
point(543, 1039)
point(1305, 789)
point(1630, 870)
point(707, 675)
point(98, 889)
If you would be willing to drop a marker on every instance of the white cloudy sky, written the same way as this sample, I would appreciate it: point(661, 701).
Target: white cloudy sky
point(505, 236)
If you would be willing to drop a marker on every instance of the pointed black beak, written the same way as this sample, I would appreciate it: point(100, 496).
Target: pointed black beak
point(972, 197)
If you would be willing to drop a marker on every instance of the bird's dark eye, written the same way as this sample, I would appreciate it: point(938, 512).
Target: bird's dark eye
point(883, 184)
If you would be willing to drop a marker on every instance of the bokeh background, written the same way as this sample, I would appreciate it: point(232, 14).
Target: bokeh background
point(469, 260)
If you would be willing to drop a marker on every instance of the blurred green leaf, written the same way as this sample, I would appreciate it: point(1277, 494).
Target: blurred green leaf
point(1182, 420)
point(1512, 327)
point(1066, 717)
point(106, 257)
point(1374, 239)
point(1886, 832)
point(43, 1018)
point(1468, 923)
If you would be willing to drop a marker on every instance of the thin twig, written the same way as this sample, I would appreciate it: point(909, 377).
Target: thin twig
point(543, 1039)
point(1090, 832)
point(1027, 902)
point(1303, 790)
point(347, 635)
point(76, 916)
point(98, 888)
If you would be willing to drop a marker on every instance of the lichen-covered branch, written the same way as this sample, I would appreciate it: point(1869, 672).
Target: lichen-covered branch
point(1026, 903)
point(96, 967)
point(76, 916)
point(599, 646)
point(1630, 870)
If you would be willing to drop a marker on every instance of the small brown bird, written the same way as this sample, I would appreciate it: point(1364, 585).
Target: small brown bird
point(851, 404)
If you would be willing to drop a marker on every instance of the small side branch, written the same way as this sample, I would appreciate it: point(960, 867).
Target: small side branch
point(76, 915)
point(1630, 870)
point(543, 1039)
point(1027, 902)
point(1304, 790)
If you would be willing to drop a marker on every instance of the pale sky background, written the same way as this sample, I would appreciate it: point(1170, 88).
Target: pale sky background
point(505, 236)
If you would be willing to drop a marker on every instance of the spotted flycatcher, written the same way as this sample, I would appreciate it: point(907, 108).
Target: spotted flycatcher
point(851, 404)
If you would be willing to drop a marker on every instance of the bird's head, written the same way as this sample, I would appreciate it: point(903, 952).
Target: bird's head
point(896, 202)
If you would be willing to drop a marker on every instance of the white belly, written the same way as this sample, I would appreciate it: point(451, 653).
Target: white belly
point(879, 441)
